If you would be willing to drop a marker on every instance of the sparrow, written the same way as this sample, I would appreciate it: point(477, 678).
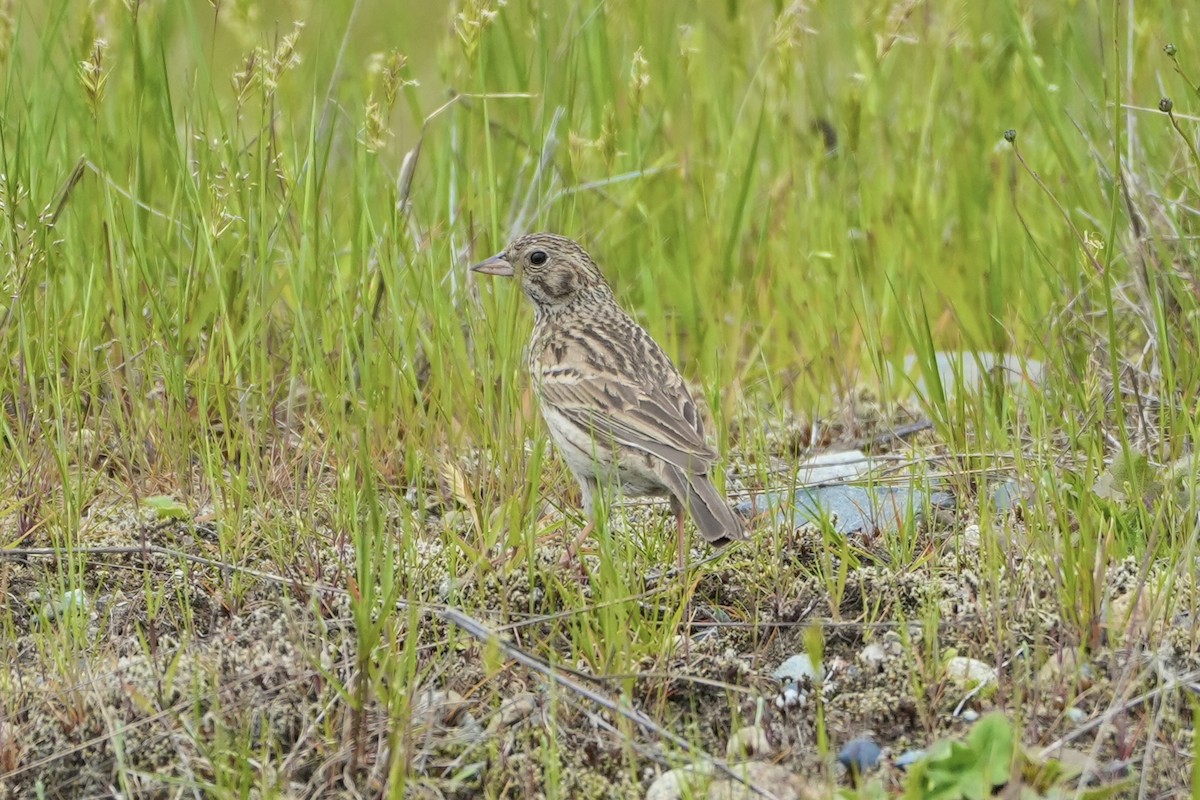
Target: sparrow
point(615, 405)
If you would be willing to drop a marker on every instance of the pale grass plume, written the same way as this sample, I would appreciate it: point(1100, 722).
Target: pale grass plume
point(391, 66)
point(375, 131)
point(386, 71)
point(264, 67)
point(639, 71)
point(13, 195)
point(245, 76)
point(92, 75)
point(220, 217)
point(284, 59)
point(791, 27)
point(471, 21)
point(583, 149)
point(896, 26)
point(639, 78)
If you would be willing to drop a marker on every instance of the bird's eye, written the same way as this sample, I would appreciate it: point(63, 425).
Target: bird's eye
point(538, 257)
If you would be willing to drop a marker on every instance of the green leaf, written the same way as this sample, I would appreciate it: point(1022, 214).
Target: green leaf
point(166, 507)
point(992, 741)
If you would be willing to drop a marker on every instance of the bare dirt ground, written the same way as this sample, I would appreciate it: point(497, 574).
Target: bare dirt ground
point(230, 666)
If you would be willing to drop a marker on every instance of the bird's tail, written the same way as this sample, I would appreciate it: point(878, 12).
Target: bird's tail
point(714, 518)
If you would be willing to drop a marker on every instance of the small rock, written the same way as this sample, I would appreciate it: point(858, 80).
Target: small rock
point(796, 669)
point(1076, 761)
point(678, 783)
point(859, 755)
point(440, 706)
point(830, 467)
point(1008, 495)
point(959, 371)
point(748, 742)
point(69, 601)
point(762, 776)
point(1130, 617)
point(970, 537)
point(1066, 669)
point(969, 673)
point(893, 642)
point(516, 709)
point(454, 520)
point(873, 656)
point(851, 509)
point(85, 447)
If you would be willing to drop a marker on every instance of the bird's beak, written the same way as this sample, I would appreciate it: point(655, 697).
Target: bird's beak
point(496, 265)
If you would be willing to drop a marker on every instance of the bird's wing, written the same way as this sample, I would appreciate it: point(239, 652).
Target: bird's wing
point(648, 408)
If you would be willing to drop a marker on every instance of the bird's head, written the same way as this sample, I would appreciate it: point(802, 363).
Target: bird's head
point(554, 271)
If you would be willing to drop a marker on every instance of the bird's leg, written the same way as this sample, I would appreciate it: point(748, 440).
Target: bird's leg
point(681, 554)
point(574, 545)
point(680, 546)
point(587, 489)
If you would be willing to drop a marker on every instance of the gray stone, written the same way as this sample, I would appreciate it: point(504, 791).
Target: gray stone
point(859, 754)
point(958, 370)
point(758, 777)
point(851, 509)
point(678, 783)
point(796, 669)
point(830, 467)
point(748, 742)
point(970, 673)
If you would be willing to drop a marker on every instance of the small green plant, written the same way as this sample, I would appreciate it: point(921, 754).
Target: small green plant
point(990, 759)
point(166, 507)
point(969, 769)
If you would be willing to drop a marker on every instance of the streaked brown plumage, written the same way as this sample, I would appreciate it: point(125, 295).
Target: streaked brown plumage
point(616, 406)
